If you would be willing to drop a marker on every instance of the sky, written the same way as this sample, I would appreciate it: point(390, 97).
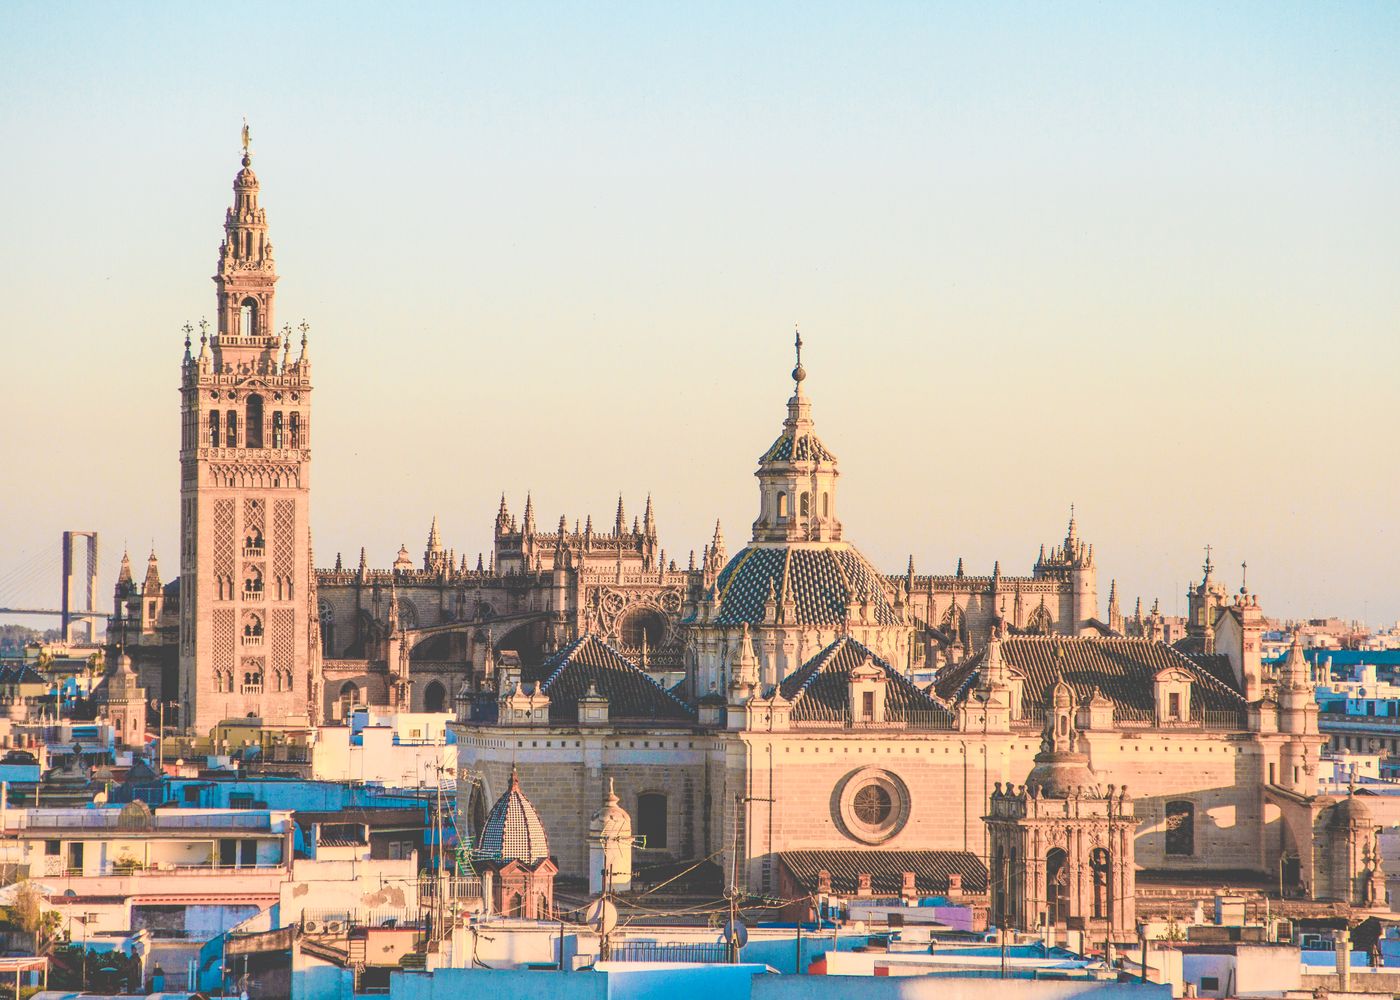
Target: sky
point(1143, 259)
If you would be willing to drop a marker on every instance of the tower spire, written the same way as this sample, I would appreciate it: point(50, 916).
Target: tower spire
point(246, 335)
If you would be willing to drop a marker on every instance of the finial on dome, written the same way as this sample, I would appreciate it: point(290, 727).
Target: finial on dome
point(798, 373)
point(247, 143)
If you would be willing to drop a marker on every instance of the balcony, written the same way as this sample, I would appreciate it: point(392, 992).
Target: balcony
point(251, 689)
point(253, 551)
point(252, 594)
point(252, 638)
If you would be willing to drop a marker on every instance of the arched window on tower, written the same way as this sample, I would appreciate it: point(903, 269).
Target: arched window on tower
point(804, 505)
point(277, 429)
point(253, 433)
point(248, 317)
point(782, 506)
point(231, 430)
point(296, 430)
point(213, 428)
point(826, 505)
point(1102, 872)
point(435, 697)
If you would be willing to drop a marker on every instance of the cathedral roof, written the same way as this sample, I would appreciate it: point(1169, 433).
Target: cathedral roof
point(590, 662)
point(819, 690)
point(513, 830)
point(886, 870)
point(819, 580)
point(1123, 670)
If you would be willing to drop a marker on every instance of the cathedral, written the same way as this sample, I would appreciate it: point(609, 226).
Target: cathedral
point(790, 698)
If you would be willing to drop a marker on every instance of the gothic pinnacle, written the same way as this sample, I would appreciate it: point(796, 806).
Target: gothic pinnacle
point(364, 563)
point(621, 521)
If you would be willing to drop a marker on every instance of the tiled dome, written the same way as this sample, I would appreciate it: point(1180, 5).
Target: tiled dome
point(818, 580)
point(513, 831)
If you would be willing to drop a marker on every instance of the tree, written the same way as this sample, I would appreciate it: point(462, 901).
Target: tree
point(27, 911)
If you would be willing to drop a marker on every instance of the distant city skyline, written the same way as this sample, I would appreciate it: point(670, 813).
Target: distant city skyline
point(1142, 262)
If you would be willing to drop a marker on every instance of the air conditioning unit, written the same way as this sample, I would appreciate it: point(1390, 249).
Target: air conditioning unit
point(311, 927)
point(335, 926)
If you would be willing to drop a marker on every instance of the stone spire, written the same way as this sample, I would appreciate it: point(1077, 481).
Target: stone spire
point(434, 539)
point(151, 586)
point(125, 581)
point(528, 522)
point(246, 276)
point(1115, 613)
point(620, 525)
point(649, 520)
point(502, 517)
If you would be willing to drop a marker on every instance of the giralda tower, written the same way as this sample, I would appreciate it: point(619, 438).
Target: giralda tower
point(248, 627)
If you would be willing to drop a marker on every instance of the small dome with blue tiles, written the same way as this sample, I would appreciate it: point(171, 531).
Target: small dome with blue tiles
point(819, 584)
point(513, 830)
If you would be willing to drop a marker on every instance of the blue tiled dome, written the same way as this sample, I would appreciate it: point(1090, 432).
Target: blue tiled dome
point(513, 831)
point(818, 580)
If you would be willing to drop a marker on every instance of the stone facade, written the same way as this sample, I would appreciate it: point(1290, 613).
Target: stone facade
point(247, 634)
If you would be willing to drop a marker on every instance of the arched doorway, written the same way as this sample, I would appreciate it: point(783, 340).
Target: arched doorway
point(435, 697)
point(349, 698)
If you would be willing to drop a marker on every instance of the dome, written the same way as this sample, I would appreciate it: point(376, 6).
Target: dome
point(1059, 775)
point(611, 822)
point(1351, 811)
point(819, 580)
point(246, 178)
point(513, 831)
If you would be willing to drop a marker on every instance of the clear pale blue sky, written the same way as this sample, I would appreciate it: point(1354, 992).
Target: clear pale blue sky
point(1142, 258)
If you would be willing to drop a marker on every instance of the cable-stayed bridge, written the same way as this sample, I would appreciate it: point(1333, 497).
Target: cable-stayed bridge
point(75, 564)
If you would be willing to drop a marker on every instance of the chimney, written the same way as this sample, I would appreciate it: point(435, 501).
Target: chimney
point(907, 888)
point(1344, 960)
point(863, 884)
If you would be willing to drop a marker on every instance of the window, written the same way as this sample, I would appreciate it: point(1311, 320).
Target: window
point(1174, 705)
point(872, 805)
point(253, 433)
point(1181, 829)
point(240, 800)
point(1210, 984)
point(231, 430)
point(1056, 887)
point(296, 430)
point(826, 505)
point(867, 705)
point(782, 506)
point(434, 698)
point(213, 428)
point(1101, 871)
point(651, 819)
point(53, 848)
point(248, 312)
point(277, 429)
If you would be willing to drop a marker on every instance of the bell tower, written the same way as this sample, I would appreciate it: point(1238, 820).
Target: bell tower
point(247, 625)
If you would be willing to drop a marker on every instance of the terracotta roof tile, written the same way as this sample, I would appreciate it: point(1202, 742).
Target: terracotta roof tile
point(886, 870)
point(819, 689)
point(1122, 670)
point(632, 694)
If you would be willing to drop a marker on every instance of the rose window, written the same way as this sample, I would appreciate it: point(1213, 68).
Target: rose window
point(872, 805)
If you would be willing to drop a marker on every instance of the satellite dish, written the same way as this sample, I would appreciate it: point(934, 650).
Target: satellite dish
point(736, 933)
point(601, 915)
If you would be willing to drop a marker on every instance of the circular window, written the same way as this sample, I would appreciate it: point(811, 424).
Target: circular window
point(872, 805)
